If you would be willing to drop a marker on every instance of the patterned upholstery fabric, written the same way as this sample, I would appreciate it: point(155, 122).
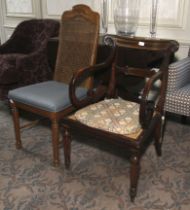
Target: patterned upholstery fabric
point(178, 90)
point(178, 74)
point(179, 101)
point(23, 58)
point(113, 115)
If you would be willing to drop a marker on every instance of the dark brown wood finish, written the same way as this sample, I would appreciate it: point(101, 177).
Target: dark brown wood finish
point(91, 18)
point(128, 55)
point(151, 110)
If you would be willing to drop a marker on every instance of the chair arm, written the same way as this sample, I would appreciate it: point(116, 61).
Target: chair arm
point(8, 47)
point(93, 94)
point(81, 75)
point(8, 73)
point(34, 67)
point(147, 106)
point(178, 74)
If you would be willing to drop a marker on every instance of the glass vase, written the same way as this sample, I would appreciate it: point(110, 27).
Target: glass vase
point(153, 18)
point(126, 16)
point(104, 16)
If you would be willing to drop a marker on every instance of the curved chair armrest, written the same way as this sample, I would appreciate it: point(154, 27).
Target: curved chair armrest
point(31, 55)
point(147, 106)
point(34, 67)
point(178, 74)
point(7, 47)
point(8, 73)
point(82, 74)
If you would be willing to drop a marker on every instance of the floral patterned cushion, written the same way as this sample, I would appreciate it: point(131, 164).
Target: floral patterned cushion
point(113, 115)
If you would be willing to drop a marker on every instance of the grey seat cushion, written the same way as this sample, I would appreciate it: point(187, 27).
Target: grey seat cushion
point(49, 96)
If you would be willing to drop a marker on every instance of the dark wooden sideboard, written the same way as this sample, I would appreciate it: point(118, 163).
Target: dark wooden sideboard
point(128, 54)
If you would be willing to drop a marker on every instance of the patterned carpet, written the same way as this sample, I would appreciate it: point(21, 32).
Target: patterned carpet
point(99, 176)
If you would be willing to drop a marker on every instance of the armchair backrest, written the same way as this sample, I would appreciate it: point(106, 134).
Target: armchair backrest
point(78, 40)
point(142, 52)
point(131, 76)
point(30, 35)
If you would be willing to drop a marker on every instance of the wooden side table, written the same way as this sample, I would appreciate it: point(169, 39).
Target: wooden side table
point(132, 51)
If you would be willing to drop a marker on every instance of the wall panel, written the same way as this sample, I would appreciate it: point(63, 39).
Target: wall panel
point(172, 20)
point(13, 12)
point(54, 9)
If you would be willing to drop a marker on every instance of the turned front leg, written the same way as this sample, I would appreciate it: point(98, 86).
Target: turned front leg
point(157, 137)
point(134, 176)
point(16, 123)
point(55, 142)
point(67, 146)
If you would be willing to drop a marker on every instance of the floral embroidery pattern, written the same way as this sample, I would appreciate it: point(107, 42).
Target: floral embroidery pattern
point(114, 115)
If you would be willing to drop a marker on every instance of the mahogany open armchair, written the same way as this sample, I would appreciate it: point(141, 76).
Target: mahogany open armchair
point(117, 119)
point(78, 40)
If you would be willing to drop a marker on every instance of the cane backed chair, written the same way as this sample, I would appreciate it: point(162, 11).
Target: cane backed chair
point(129, 124)
point(78, 39)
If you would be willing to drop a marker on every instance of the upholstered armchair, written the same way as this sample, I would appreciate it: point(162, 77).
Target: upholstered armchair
point(178, 89)
point(23, 58)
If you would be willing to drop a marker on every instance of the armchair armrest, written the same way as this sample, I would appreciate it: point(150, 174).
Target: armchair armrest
point(33, 67)
point(8, 47)
point(8, 73)
point(178, 74)
point(147, 106)
point(93, 95)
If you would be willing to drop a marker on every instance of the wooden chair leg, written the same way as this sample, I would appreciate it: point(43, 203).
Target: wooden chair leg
point(16, 122)
point(67, 146)
point(158, 137)
point(55, 142)
point(163, 126)
point(134, 176)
